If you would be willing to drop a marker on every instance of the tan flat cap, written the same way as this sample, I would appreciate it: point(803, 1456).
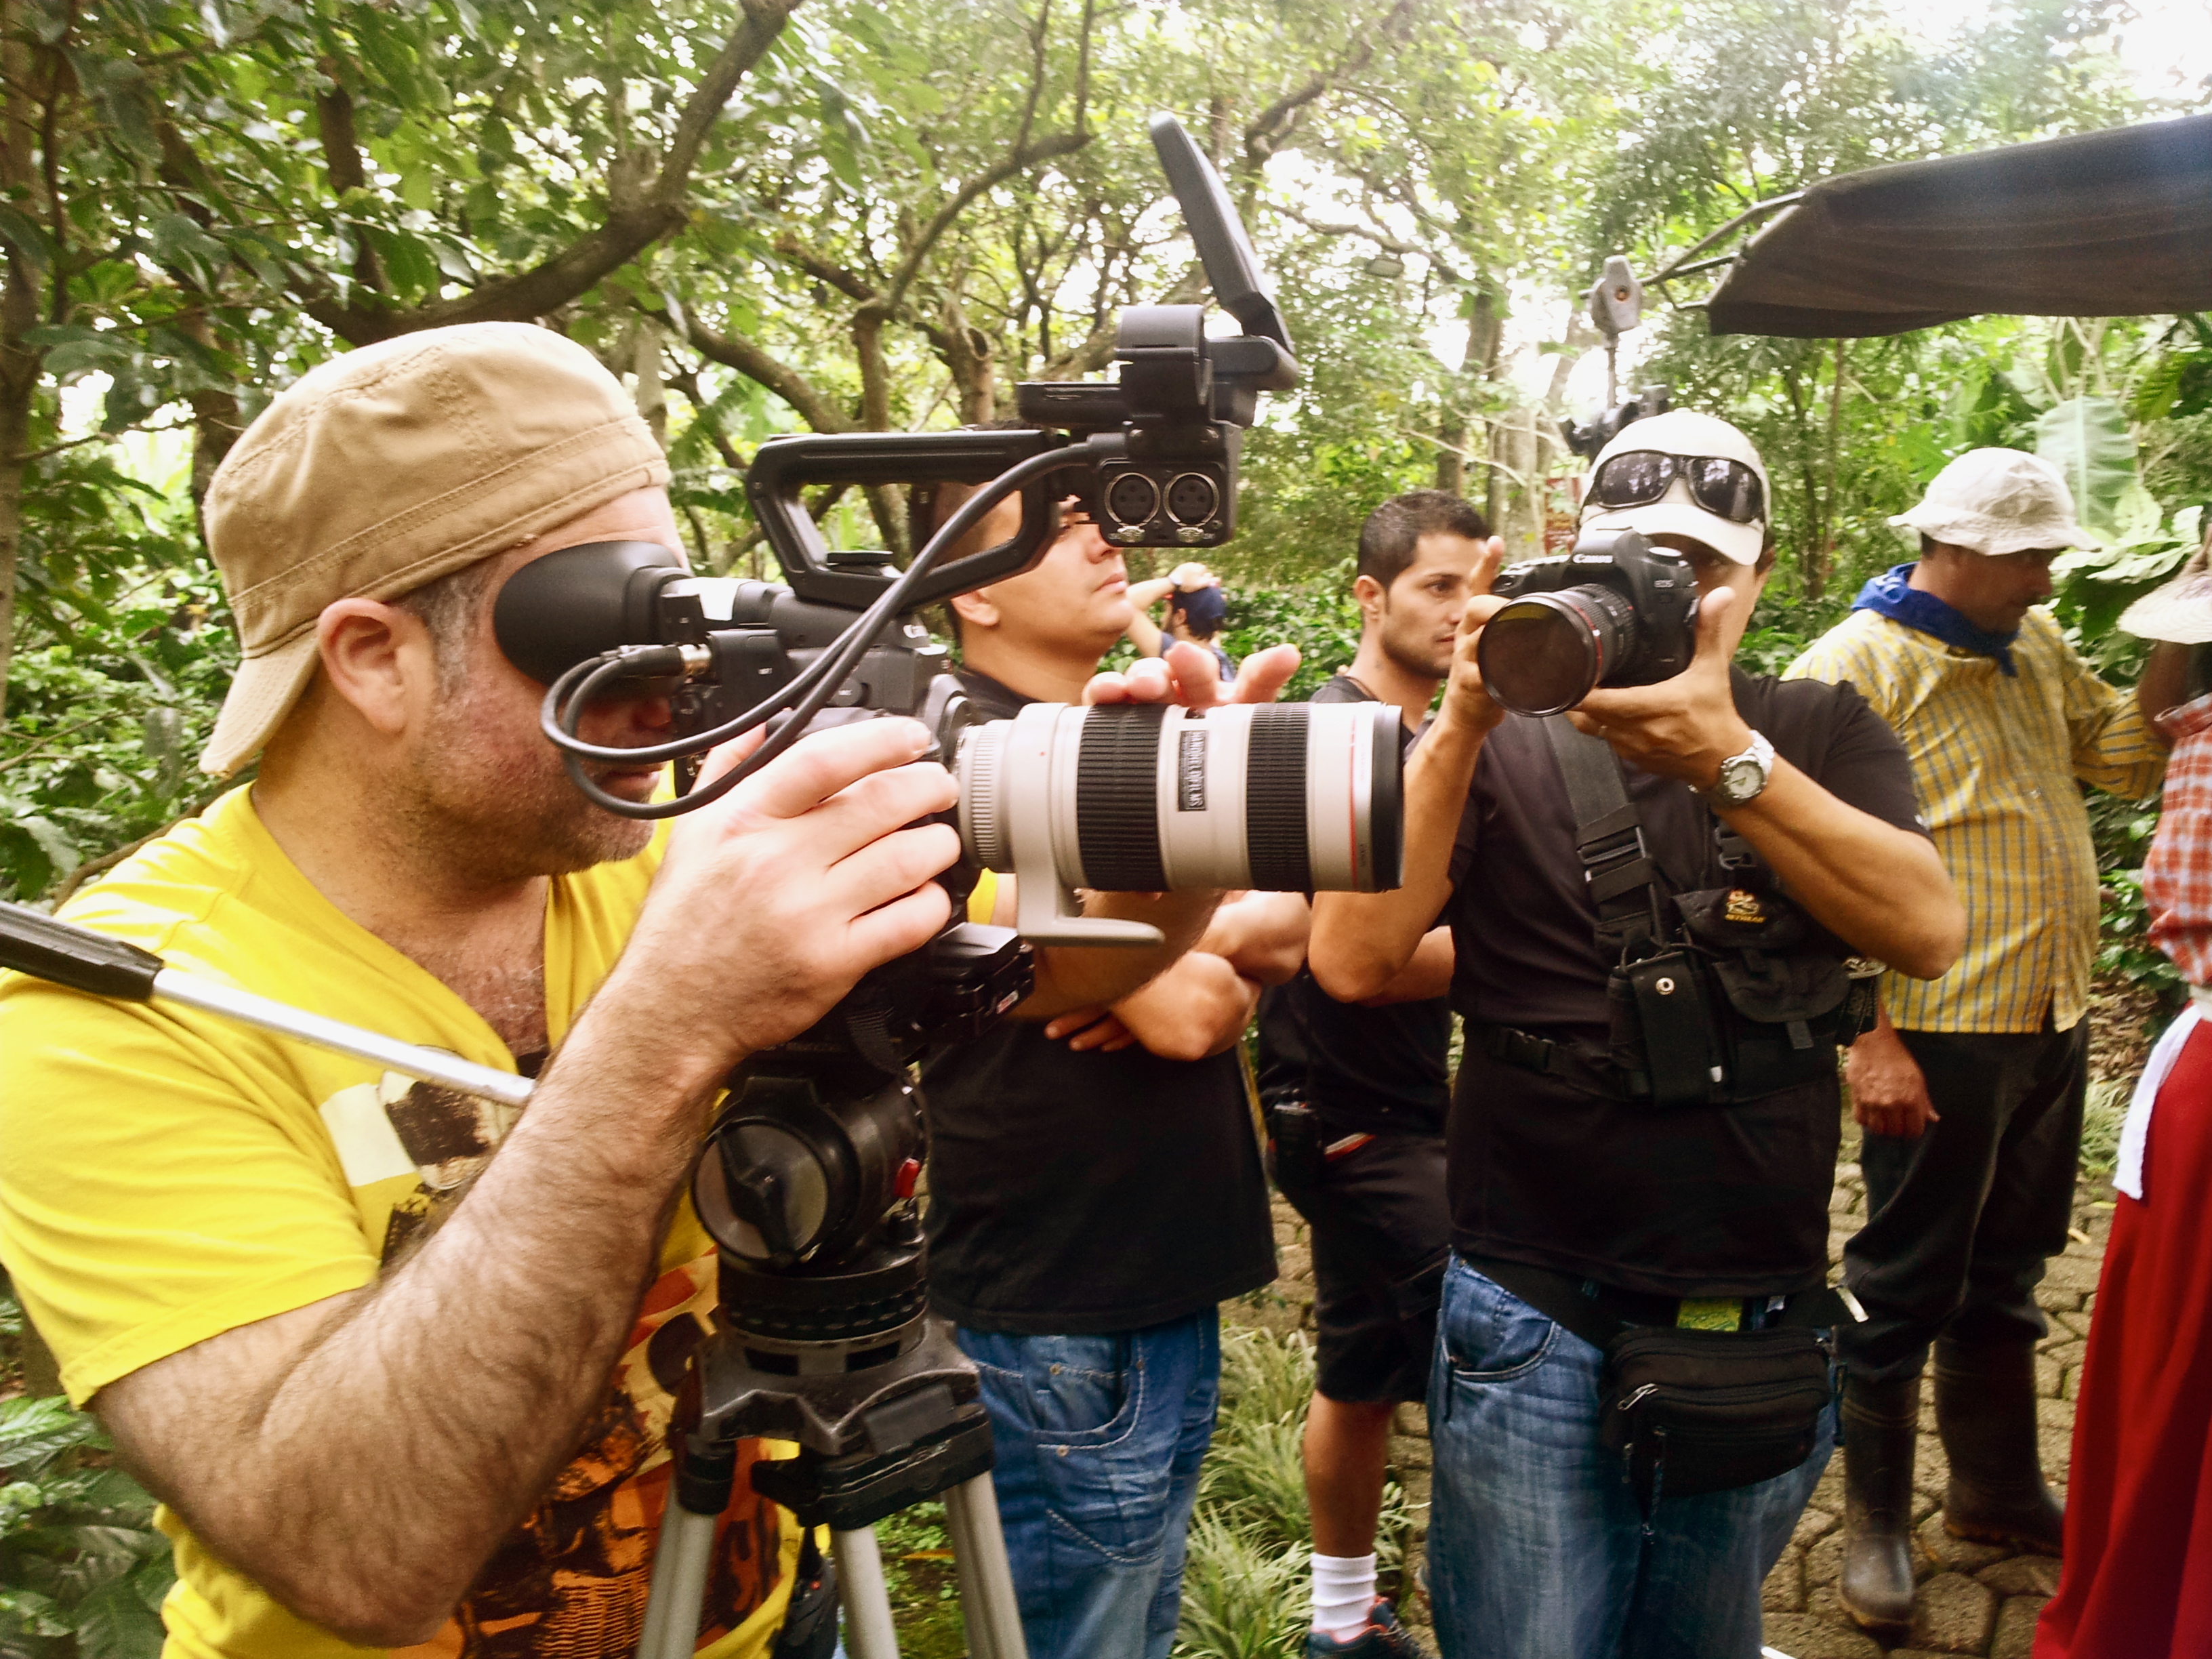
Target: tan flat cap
point(390, 467)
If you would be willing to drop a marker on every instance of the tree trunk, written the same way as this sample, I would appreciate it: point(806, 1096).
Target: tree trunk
point(1451, 453)
point(15, 391)
point(1821, 563)
point(20, 362)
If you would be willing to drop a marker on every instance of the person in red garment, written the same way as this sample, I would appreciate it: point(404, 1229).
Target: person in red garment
point(2137, 1581)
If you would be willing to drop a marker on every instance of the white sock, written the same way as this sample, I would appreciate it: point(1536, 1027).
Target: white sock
point(1343, 1591)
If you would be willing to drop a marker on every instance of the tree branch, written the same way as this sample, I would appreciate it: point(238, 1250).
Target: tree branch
point(342, 164)
point(734, 350)
point(1019, 161)
point(1274, 127)
point(635, 219)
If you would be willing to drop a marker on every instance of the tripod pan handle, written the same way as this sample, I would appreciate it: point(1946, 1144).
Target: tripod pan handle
point(76, 957)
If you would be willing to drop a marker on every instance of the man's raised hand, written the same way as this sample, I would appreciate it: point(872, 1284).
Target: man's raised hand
point(772, 901)
point(1465, 700)
point(1189, 675)
point(1683, 727)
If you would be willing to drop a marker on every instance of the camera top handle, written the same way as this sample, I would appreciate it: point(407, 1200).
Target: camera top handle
point(783, 466)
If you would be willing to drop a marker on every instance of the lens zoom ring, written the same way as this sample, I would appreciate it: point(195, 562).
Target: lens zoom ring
point(987, 827)
point(1118, 827)
point(1275, 800)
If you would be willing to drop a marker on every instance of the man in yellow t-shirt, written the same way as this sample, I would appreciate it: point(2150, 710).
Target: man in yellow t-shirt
point(398, 1363)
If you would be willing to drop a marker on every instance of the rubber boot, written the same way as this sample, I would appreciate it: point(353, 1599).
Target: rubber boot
point(1881, 1429)
point(1985, 1412)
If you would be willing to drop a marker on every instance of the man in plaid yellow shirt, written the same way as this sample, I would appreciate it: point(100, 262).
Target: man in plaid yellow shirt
point(1970, 1089)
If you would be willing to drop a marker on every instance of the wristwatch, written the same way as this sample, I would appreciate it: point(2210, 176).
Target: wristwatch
point(1742, 777)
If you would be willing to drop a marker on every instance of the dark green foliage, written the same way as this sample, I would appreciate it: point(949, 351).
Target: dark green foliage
point(82, 1571)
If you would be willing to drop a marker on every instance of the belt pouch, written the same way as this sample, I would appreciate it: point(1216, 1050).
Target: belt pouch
point(1693, 1412)
point(1296, 1151)
point(1664, 996)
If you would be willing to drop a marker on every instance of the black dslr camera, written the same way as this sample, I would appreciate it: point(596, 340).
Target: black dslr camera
point(1615, 610)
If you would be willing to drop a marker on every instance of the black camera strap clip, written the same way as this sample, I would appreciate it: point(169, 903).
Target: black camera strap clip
point(1624, 880)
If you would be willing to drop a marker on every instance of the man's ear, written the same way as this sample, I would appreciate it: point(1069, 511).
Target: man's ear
point(974, 610)
point(378, 659)
point(1366, 591)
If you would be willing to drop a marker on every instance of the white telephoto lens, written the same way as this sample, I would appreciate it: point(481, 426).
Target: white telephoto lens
point(1281, 797)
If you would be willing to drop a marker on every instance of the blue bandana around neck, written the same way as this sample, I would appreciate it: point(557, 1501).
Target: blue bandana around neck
point(1892, 595)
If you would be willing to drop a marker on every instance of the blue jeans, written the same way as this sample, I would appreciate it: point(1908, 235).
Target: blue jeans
point(1537, 1547)
point(1098, 1440)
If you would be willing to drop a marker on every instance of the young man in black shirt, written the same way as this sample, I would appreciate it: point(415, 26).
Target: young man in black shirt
point(1095, 1181)
point(1711, 1216)
point(1356, 1095)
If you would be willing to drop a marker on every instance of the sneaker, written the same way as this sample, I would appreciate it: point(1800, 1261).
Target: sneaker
point(1383, 1638)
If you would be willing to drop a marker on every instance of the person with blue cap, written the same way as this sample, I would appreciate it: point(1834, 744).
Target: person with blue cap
point(1197, 608)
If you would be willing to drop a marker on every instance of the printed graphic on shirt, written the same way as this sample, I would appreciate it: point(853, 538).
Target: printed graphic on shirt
point(571, 1581)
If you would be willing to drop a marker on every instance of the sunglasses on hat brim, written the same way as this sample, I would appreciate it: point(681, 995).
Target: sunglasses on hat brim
point(1637, 478)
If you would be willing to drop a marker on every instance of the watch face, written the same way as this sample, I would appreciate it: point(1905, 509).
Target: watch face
point(1740, 777)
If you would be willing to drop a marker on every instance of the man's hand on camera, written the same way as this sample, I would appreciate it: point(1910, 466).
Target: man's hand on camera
point(1467, 704)
point(772, 902)
point(1684, 727)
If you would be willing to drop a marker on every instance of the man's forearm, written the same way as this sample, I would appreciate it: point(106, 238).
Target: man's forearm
point(1882, 890)
point(410, 1429)
point(1361, 941)
point(2165, 681)
point(1083, 976)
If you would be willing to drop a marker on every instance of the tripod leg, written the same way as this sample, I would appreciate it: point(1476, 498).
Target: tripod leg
point(994, 1618)
point(868, 1633)
point(680, 1564)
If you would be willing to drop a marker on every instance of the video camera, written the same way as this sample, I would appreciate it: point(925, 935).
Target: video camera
point(808, 1179)
point(1291, 797)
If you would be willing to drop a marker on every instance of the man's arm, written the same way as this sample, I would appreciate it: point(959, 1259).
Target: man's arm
point(1198, 1008)
point(1070, 977)
point(1427, 974)
point(1259, 937)
point(1362, 941)
point(1880, 889)
point(1143, 632)
point(2164, 682)
point(361, 1457)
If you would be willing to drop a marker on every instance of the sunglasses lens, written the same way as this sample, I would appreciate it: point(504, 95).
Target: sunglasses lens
point(1728, 489)
point(1633, 478)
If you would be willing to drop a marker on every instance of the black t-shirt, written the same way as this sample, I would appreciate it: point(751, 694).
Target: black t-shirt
point(1368, 1071)
point(1714, 1200)
point(1076, 1194)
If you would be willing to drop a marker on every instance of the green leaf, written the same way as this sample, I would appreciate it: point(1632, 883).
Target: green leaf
point(843, 137)
point(32, 1430)
point(27, 239)
point(26, 1612)
point(2087, 439)
point(114, 1622)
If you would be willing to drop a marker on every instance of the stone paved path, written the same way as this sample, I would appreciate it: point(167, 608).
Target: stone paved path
point(1973, 1599)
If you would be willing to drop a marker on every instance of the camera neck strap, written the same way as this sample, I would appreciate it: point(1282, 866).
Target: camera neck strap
point(1624, 878)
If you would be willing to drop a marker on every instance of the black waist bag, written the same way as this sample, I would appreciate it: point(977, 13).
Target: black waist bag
point(1710, 1411)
